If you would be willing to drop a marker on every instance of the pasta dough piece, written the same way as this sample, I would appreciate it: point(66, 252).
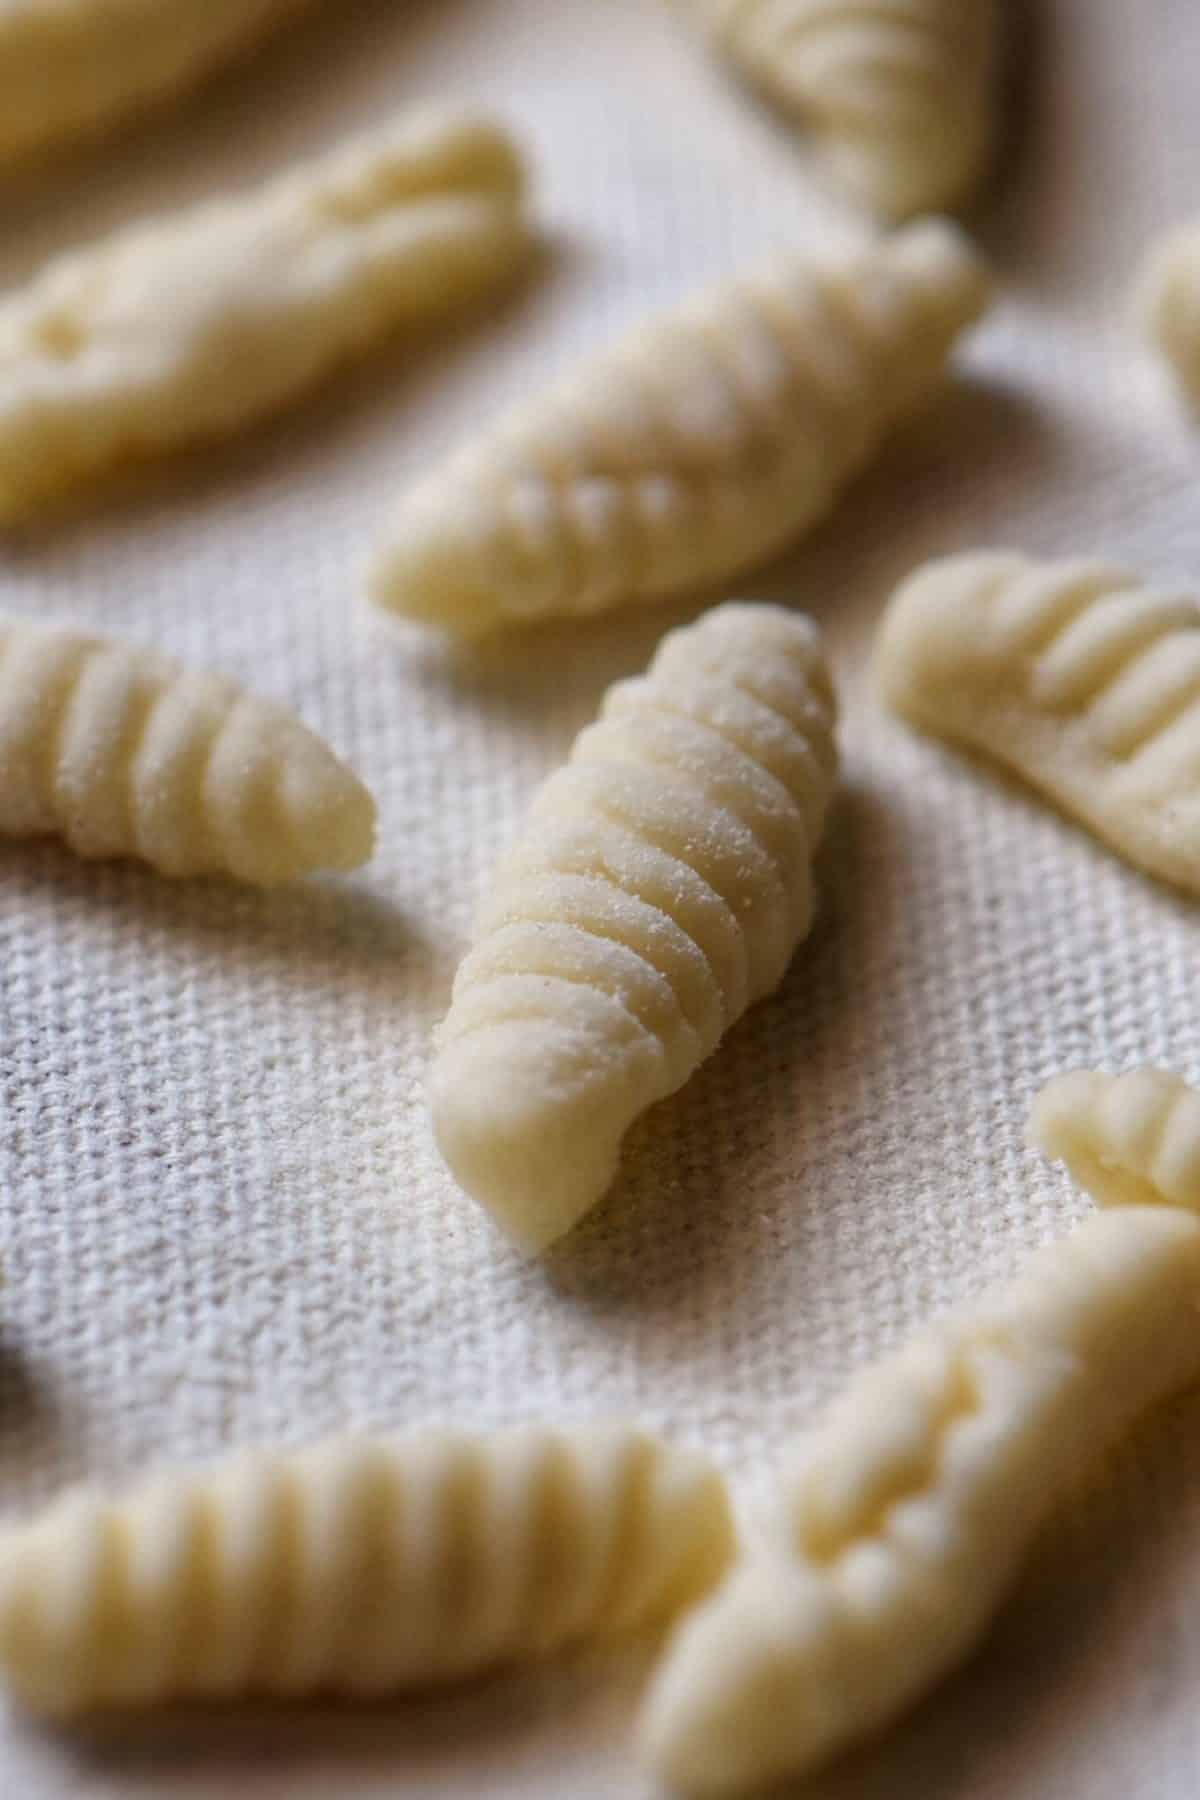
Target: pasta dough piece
point(694, 449)
point(186, 328)
point(358, 1567)
point(70, 66)
point(1073, 674)
point(901, 94)
point(122, 753)
point(1169, 302)
point(660, 888)
point(1127, 1140)
point(908, 1517)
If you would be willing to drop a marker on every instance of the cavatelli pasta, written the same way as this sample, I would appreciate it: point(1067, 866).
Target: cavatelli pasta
point(358, 1567)
point(696, 448)
point(900, 94)
point(122, 753)
point(913, 1504)
point(1128, 1140)
point(660, 888)
point(188, 327)
point(1074, 674)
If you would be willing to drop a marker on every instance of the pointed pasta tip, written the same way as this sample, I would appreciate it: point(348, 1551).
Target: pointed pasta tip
point(731, 1676)
point(524, 1140)
point(943, 265)
point(338, 831)
point(434, 568)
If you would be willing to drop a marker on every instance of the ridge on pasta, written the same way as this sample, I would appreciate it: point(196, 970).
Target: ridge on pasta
point(906, 1516)
point(187, 327)
point(360, 1566)
point(901, 95)
point(123, 753)
point(69, 67)
point(1127, 1140)
point(659, 889)
point(692, 450)
point(1074, 674)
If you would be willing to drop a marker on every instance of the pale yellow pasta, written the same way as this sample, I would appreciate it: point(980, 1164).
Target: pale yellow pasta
point(71, 66)
point(122, 753)
point(358, 1567)
point(1073, 674)
point(1169, 302)
point(1128, 1140)
point(900, 94)
point(188, 327)
point(660, 888)
point(908, 1515)
point(692, 450)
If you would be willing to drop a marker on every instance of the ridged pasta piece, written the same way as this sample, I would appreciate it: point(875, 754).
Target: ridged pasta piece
point(1169, 301)
point(660, 888)
point(122, 753)
point(911, 1510)
point(900, 94)
point(69, 67)
point(1127, 1140)
point(1075, 675)
point(358, 1567)
point(692, 450)
point(187, 327)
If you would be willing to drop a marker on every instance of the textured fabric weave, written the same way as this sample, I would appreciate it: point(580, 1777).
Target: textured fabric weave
point(221, 1216)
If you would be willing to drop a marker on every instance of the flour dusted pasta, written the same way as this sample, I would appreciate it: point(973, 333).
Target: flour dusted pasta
point(122, 753)
point(358, 1567)
point(693, 450)
point(661, 887)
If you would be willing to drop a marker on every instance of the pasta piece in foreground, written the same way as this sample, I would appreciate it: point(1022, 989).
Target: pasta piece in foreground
point(1127, 1140)
point(1076, 675)
point(691, 451)
point(660, 888)
point(1169, 301)
point(72, 66)
point(187, 327)
point(901, 94)
point(909, 1515)
point(358, 1567)
point(122, 753)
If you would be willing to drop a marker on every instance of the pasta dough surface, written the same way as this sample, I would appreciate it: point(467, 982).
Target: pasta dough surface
point(1074, 674)
point(359, 1566)
point(901, 94)
point(689, 452)
point(122, 753)
point(70, 66)
point(908, 1515)
point(660, 888)
point(1169, 302)
point(186, 328)
point(1127, 1140)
